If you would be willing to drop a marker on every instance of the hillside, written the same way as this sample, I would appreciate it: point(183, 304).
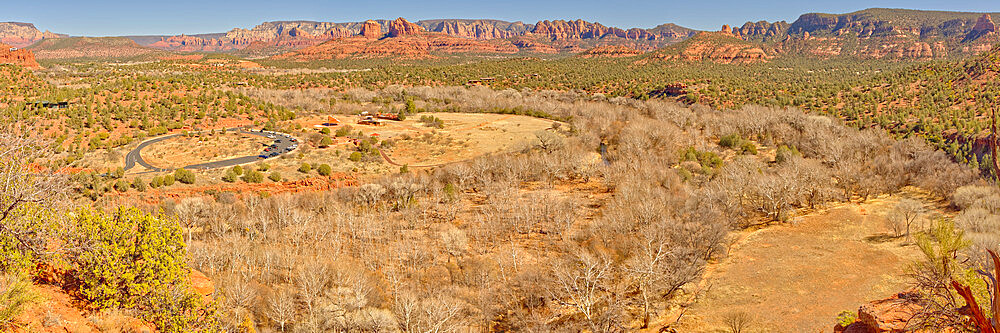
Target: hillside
point(717, 47)
point(90, 47)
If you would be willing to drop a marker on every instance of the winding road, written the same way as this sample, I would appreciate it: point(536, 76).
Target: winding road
point(282, 142)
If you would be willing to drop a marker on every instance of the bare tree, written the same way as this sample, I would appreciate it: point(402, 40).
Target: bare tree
point(581, 283)
point(738, 321)
point(281, 308)
point(23, 187)
point(905, 214)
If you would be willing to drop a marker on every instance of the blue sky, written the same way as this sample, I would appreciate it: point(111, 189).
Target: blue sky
point(139, 17)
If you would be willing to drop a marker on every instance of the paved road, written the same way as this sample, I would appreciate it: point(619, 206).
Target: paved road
point(282, 142)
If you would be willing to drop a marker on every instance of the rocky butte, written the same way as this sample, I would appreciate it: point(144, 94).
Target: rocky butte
point(12, 55)
point(371, 29)
point(401, 27)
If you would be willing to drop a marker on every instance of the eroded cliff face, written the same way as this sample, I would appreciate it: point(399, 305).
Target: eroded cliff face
point(480, 29)
point(18, 34)
point(878, 34)
point(11, 55)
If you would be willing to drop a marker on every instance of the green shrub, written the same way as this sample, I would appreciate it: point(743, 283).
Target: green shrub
point(450, 192)
point(325, 131)
point(305, 168)
point(845, 318)
point(127, 255)
point(355, 156)
point(274, 177)
point(118, 173)
point(784, 154)
point(343, 131)
point(404, 169)
point(238, 170)
point(130, 259)
point(168, 180)
point(184, 176)
point(748, 148)
point(121, 186)
point(324, 170)
point(263, 167)
point(253, 177)
point(16, 293)
point(138, 184)
point(325, 142)
point(156, 182)
point(230, 176)
point(730, 141)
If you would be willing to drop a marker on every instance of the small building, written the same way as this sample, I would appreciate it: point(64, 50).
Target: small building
point(51, 105)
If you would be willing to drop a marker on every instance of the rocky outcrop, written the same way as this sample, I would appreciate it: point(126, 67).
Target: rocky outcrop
point(762, 30)
point(371, 30)
point(984, 26)
point(401, 27)
point(201, 284)
point(19, 34)
point(892, 314)
point(12, 55)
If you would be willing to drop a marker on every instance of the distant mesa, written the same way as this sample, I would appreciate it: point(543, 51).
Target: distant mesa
point(90, 47)
point(19, 34)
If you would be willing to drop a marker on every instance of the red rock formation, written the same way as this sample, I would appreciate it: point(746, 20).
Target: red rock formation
point(371, 30)
point(12, 55)
point(201, 284)
point(984, 26)
point(401, 27)
point(892, 314)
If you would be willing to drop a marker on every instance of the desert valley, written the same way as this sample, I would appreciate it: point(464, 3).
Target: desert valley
point(835, 173)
